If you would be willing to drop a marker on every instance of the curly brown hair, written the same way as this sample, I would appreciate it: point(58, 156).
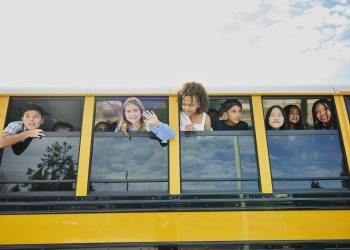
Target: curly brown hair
point(194, 89)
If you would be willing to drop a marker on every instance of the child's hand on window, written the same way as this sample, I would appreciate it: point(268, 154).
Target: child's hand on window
point(36, 133)
point(189, 128)
point(151, 118)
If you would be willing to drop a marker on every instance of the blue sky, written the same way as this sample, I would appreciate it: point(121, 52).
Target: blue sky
point(104, 43)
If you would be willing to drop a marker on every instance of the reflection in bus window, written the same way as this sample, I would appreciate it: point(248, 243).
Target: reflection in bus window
point(219, 161)
point(306, 160)
point(49, 164)
point(122, 164)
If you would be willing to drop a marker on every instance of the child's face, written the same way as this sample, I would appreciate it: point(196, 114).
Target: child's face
point(323, 113)
point(190, 105)
point(294, 115)
point(132, 113)
point(233, 115)
point(102, 128)
point(32, 119)
point(276, 118)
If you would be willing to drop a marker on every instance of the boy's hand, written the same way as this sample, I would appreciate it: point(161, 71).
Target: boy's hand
point(151, 118)
point(36, 133)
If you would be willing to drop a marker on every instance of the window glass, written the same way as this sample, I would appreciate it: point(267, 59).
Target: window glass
point(132, 161)
point(49, 163)
point(307, 158)
point(220, 160)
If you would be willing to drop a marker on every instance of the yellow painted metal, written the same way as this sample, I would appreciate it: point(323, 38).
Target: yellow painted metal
point(344, 125)
point(174, 147)
point(174, 227)
point(4, 102)
point(261, 145)
point(85, 147)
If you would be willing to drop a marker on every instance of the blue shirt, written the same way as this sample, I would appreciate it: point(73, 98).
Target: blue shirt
point(15, 128)
point(164, 132)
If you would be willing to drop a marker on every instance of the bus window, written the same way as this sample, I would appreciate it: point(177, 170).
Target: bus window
point(132, 161)
point(220, 160)
point(48, 163)
point(347, 102)
point(306, 158)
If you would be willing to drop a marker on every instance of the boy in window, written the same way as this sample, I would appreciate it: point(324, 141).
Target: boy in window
point(18, 134)
point(231, 110)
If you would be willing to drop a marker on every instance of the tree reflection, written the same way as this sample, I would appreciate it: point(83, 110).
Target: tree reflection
point(56, 164)
point(3, 186)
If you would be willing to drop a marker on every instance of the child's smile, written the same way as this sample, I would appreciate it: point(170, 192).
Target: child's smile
point(190, 105)
point(132, 113)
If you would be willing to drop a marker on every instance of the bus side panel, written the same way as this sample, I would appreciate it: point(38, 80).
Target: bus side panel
point(174, 227)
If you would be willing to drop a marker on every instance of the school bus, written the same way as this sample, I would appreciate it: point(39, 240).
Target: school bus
point(251, 189)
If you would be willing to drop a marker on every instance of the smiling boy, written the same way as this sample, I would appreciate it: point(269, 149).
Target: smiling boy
point(28, 127)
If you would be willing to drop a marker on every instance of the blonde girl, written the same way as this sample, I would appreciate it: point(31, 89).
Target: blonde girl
point(136, 118)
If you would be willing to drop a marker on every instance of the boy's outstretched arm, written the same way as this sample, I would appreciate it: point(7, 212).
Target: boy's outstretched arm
point(7, 139)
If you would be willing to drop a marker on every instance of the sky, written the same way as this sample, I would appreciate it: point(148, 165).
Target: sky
point(105, 43)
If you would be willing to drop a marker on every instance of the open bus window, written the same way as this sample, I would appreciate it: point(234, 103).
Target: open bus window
point(48, 163)
point(308, 158)
point(128, 161)
point(220, 161)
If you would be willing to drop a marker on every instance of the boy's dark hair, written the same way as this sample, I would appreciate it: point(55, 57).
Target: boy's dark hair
point(33, 107)
point(58, 125)
point(229, 104)
point(194, 89)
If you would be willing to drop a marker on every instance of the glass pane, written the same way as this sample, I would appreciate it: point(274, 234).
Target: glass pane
point(51, 158)
point(216, 160)
point(121, 164)
point(306, 154)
